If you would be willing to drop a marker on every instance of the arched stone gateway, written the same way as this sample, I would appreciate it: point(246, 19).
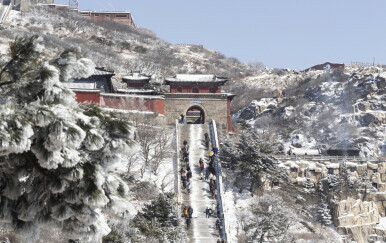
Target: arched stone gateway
point(195, 115)
point(201, 99)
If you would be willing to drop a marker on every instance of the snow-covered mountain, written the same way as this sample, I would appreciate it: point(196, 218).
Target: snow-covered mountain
point(321, 109)
point(117, 46)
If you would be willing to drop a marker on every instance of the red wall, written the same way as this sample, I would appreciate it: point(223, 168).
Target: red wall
point(188, 88)
point(120, 102)
point(113, 16)
point(229, 119)
point(130, 103)
point(87, 97)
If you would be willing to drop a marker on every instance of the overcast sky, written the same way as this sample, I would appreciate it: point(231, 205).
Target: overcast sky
point(280, 33)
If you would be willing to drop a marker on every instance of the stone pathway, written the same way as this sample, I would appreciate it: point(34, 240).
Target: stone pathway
point(202, 229)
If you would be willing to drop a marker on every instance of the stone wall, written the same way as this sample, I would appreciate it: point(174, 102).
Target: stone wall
point(213, 108)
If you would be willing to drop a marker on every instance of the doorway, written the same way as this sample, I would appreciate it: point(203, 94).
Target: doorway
point(195, 115)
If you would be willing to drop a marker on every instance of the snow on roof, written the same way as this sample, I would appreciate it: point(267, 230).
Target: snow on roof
point(87, 86)
point(102, 71)
point(136, 76)
point(196, 78)
point(147, 97)
point(145, 91)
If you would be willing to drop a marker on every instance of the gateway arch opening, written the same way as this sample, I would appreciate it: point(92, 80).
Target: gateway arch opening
point(195, 115)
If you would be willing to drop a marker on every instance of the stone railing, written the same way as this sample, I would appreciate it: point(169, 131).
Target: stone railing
point(176, 168)
point(7, 10)
point(220, 188)
point(354, 159)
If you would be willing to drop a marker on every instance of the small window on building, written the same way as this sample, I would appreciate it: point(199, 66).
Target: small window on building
point(107, 15)
point(352, 169)
point(375, 185)
point(96, 14)
point(179, 89)
point(121, 15)
point(275, 183)
point(294, 169)
point(85, 14)
point(375, 170)
point(330, 171)
point(312, 171)
point(195, 90)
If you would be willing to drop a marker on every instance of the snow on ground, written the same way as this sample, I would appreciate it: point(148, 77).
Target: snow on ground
point(200, 198)
point(234, 205)
point(14, 17)
point(382, 224)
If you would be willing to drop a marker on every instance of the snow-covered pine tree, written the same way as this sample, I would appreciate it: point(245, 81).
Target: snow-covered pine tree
point(159, 220)
point(56, 159)
point(255, 165)
point(270, 218)
point(324, 214)
point(229, 154)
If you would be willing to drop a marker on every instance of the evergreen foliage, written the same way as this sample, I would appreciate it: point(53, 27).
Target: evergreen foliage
point(339, 186)
point(269, 220)
point(324, 214)
point(159, 220)
point(247, 159)
point(56, 159)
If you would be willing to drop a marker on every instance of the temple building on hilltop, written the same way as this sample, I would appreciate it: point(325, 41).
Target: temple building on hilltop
point(197, 97)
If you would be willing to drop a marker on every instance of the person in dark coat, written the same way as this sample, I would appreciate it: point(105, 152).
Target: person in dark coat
point(207, 174)
point(188, 221)
point(185, 154)
point(184, 183)
point(210, 211)
point(212, 170)
point(218, 224)
point(190, 211)
point(207, 212)
point(189, 175)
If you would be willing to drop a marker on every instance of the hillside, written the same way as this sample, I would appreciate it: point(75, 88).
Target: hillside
point(322, 109)
point(117, 46)
point(276, 112)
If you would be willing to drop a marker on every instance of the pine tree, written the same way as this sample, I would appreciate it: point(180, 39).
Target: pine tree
point(160, 220)
point(56, 159)
point(270, 218)
point(324, 214)
point(256, 165)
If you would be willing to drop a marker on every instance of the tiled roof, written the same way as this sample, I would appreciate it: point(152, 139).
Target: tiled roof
point(102, 71)
point(196, 78)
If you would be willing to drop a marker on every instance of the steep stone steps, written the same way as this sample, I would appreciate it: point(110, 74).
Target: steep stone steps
point(202, 229)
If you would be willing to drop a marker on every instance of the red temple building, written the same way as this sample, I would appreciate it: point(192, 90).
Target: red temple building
point(197, 97)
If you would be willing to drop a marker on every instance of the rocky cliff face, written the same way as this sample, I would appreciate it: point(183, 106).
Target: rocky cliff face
point(339, 110)
point(355, 193)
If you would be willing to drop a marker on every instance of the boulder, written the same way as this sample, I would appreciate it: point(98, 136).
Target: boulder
point(375, 118)
point(351, 212)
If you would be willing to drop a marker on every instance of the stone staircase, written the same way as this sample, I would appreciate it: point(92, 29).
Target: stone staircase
point(202, 229)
